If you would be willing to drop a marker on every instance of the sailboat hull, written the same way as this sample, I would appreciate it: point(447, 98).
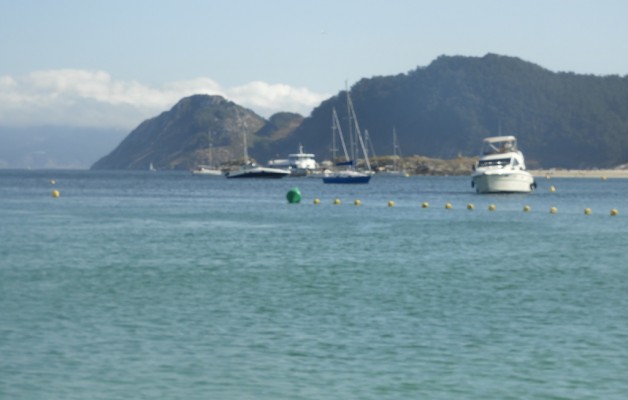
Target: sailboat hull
point(345, 180)
point(257, 172)
point(347, 177)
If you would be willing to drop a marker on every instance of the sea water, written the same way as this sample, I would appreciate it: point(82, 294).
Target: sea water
point(139, 285)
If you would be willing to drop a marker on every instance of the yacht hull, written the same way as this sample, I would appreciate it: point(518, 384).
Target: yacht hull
point(505, 182)
point(265, 173)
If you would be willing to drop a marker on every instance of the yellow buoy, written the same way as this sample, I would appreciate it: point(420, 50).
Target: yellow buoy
point(425, 204)
point(391, 203)
point(55, 193)
point(552, 189)
point(492, 207)
point(317, 201)
point(526, 208)
point(336, 201)
point(357, 202)
point(553, 210)
point(448, 206)
point(614, 212)
point(587, 211)
point(470, 206)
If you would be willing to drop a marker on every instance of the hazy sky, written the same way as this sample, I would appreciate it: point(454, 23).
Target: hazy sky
point(115, 63)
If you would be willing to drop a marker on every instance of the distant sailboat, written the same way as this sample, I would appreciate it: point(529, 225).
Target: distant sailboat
point(348, 174)
point(151, 167)
point(251, 170)
point(208, 169)
point(397, 167)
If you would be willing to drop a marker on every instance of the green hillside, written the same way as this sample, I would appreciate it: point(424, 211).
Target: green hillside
point(443, 110)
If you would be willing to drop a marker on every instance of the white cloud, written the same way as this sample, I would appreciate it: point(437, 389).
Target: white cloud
point(93, 98)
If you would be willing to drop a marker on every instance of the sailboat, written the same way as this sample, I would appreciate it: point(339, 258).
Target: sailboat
point(208, 169)
point(348, 173)
point(251, 170)
point(397, 167)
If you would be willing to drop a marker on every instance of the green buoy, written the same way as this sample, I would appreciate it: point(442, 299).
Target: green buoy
point(294, 195)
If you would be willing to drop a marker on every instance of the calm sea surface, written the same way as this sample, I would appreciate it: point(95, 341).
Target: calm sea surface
point(173, 286)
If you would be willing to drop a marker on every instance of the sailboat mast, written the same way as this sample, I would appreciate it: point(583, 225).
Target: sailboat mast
point(333, 135)
point(337, 128)
point(350, 133)
point(209, 147)
point(357, 132)
point(246, 151)
point(242, 125)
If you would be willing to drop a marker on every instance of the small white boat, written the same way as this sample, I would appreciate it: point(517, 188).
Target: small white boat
point(501, 168)
point(208, 169)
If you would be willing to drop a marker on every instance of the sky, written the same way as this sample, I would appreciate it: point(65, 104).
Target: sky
point(115, 63)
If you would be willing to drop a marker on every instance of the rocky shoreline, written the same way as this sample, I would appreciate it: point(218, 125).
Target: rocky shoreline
point(420, 165)
point(580, 173)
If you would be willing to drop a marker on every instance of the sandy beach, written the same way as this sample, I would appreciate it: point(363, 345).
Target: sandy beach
point(580, 173)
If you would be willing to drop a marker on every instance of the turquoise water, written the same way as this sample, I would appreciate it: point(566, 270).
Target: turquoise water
point(173, 286)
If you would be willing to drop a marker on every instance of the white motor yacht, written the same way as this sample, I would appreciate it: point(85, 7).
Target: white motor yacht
point(501, 168)
point(299, 164)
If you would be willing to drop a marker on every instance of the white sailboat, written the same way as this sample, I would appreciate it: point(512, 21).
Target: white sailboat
point(251, 170)
point(397, 167)
point(345, 171)
point(208, 169)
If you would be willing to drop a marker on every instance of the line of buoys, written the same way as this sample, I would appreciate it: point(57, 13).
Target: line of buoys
point(294, 196)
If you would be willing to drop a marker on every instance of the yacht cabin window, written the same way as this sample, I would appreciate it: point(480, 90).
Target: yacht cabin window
point(499, 162)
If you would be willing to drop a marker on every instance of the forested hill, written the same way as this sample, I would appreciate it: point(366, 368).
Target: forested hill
point(198, 130)
point(562, 120)
point(445, 109)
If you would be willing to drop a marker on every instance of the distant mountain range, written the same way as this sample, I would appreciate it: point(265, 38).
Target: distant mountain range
point(55, 147)
point(442, 110)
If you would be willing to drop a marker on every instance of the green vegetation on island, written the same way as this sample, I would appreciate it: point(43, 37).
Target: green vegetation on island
point(442, 111)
